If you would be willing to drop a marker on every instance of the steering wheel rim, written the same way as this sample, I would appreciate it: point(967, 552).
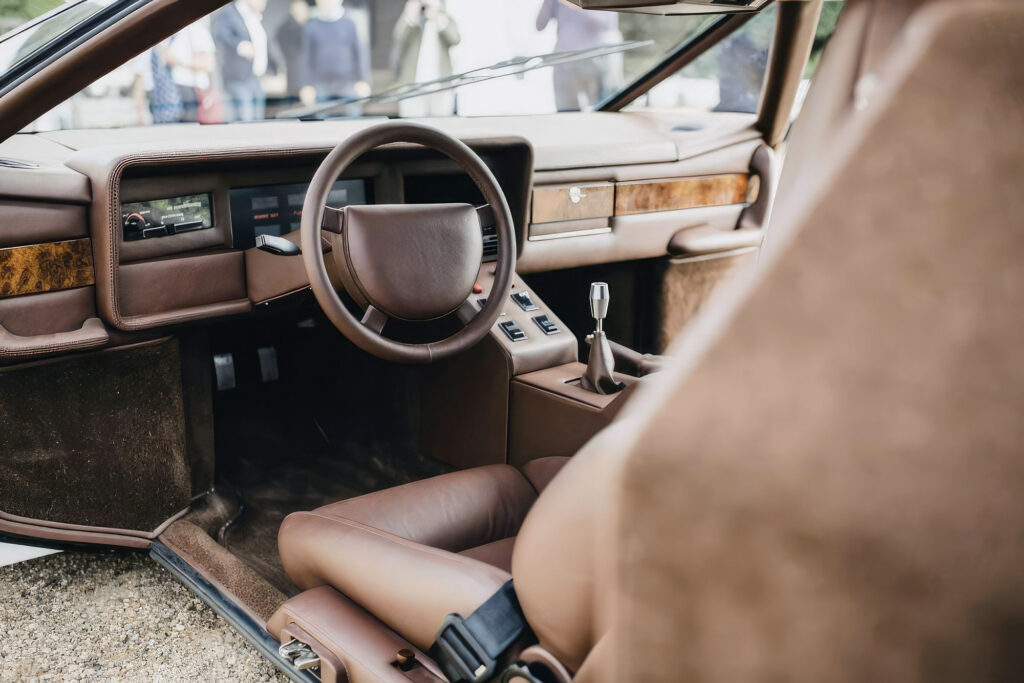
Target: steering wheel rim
point(362, 333)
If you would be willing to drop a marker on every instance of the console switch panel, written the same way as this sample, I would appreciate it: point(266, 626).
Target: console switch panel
point(546, 324)
point(524, 301)
point(512, 330)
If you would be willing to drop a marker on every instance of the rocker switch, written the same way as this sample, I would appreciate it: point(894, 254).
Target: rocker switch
point(524, 301)
point(546, 324)
point(512, 330)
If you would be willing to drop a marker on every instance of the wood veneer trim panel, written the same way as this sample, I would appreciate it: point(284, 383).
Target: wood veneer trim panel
point(683, 193)
point(46, 267)
point(551, 204)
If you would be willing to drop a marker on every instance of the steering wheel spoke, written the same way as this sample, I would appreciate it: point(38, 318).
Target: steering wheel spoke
point(485, 214)
point(334, 220)
point(374, 319)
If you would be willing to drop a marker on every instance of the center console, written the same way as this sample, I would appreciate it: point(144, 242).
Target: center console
point(529, 333)
point(522, 394)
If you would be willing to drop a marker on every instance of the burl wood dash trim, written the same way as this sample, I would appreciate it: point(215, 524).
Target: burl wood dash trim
point(572, 202)
point(45, 267)
point(683, 193)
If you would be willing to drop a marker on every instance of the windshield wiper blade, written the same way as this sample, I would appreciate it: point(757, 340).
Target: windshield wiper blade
point(508, 67)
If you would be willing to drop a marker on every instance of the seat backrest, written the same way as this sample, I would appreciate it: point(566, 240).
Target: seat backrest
point(827, 485)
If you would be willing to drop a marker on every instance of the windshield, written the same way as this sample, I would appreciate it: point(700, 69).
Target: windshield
point(262, 59)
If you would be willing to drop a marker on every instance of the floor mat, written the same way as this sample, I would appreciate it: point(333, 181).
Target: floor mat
point(332, 424)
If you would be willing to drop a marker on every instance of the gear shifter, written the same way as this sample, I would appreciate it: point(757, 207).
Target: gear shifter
point(599, 376)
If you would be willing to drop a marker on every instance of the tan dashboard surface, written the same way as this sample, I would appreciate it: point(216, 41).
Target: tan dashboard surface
point(560, 141)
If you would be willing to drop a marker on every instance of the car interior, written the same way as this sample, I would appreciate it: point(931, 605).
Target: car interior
point(623, 394)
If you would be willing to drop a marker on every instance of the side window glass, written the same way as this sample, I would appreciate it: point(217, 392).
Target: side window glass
point(728, 77)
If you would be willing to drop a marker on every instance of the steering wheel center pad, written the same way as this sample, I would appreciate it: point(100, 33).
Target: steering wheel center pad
point(415, 262)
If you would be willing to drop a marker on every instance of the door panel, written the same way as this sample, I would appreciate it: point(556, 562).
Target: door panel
point(701, 258)
point(95, 445)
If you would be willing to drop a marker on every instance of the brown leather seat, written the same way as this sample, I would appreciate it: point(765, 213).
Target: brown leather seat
point(791, 500)
point(475, 513)
point(455, 533)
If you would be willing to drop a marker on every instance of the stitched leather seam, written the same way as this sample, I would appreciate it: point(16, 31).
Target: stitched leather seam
point(52, 347)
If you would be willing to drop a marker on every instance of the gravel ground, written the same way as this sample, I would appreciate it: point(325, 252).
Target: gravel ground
point(114, 616)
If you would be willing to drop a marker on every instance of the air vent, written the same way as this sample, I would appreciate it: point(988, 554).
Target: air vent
point(8, 162)
point(490, 236)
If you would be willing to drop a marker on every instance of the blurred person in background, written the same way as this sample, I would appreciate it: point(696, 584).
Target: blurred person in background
point(153, 81)
point(190, 55)
point(421, 41)
point(289, 39)
point(242, 52)
point(335, 62)
point(580, 85)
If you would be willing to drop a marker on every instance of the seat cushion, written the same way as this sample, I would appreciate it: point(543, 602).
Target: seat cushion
point(453, 512)
point(414, 553)
point(497, 554)
point(407, 585)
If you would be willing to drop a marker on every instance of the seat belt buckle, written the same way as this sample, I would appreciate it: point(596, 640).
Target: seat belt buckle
point(459, 654)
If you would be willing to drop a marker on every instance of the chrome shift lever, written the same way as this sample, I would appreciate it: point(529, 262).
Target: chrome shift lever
point(600, 377)
point(599, 303)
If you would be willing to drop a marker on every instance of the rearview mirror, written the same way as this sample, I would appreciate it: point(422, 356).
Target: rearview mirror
point(676, 7)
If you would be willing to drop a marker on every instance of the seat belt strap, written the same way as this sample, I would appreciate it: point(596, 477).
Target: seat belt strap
point(467, 650)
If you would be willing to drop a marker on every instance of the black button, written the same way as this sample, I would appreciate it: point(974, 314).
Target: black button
point(158, 231)
point(524, 301)
point(546, 324)
point(512, 330)
point(481, 303)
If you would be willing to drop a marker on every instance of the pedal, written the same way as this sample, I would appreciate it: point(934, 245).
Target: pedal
point(224, 370)
point(268, 363)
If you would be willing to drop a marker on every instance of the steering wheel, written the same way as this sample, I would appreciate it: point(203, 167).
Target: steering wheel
point(412, 262)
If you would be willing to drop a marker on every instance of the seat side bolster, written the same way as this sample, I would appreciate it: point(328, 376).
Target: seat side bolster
point(409, 586)
point(454, 511)
point(541, 471)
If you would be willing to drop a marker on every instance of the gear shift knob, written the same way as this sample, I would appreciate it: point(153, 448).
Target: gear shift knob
point(600, 374)
point(599, 297)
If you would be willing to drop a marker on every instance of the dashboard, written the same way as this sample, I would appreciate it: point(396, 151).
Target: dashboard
point(169, 210)
point(171, 222)
point(183, 244)
point(152, 231)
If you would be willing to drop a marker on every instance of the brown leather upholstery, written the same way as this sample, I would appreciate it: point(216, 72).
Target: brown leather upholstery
point(830, 491)
point(541, 471)
point(314, 209)
point(412, 261)
point(365, 647)
point(838, 459)
point(439, 545)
